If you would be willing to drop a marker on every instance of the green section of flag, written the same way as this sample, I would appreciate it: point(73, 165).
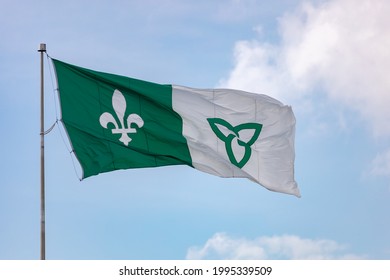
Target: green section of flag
point(85, 95)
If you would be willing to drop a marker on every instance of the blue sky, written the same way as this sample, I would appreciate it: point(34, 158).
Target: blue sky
point(328, 59)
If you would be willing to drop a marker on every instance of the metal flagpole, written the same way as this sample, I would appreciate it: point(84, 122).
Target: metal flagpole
point(42, 49)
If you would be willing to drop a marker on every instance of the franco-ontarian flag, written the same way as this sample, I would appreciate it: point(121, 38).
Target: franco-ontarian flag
point(116, 122)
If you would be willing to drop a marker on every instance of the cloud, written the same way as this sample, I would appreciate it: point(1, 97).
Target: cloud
point(337, 46)
point(222, 246)
point(381, 164)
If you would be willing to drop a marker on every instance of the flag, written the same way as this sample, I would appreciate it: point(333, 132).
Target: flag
point(116, 122)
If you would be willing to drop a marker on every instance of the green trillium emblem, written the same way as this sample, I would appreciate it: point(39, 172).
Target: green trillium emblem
point(238, 139)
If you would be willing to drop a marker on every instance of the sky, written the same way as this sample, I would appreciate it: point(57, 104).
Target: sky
point(329, 60)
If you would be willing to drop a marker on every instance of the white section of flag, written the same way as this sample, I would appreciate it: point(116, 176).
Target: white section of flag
point(272, 159)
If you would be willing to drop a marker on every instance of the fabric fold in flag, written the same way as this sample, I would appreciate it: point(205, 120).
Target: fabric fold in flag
point(116, 122)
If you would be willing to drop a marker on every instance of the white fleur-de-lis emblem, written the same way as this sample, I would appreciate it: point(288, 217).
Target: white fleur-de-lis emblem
point(119, 105)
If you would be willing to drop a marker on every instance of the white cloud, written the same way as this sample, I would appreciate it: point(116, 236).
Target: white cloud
point(257, 68)
point(222, 246)
point(381, 164)
point(338, 45)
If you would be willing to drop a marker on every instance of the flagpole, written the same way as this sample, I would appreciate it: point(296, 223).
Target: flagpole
point(42, 50)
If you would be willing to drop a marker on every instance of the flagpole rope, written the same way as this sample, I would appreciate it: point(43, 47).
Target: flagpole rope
point(70, 150)
point(58, 119)
point(55, 89)
point(50, 129)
